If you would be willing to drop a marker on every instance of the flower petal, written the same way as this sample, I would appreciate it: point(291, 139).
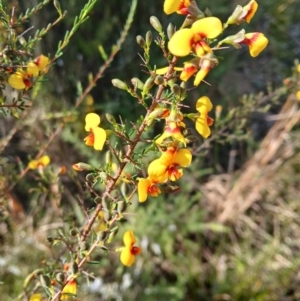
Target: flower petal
point(257, 42)
point(202, 127)
point(209, 27)
point(180, 43)
point(42, 62)
point(129, 238)
point(182, 157)
point(251, 9)
point(92, 120)
point(204, 105)
point(100, 137)
point(171, 6)
point(157, 171)
point(16, 80)
point(143, 186)
point(32, 69)
point(126, 257)
point(69, 290)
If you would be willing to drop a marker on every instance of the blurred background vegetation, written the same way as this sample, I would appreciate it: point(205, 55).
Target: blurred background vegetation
point(232, 232)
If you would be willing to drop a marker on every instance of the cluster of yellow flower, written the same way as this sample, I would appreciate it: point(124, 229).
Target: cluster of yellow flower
point(197, 38)
point(194, 41)
point(21, 79)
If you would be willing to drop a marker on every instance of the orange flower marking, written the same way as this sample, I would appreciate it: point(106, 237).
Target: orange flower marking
point(129, 252)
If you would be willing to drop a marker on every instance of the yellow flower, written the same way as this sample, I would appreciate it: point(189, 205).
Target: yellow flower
point(147, 186)
point(20, 80)
point(69, 290)
point(98, 135)
point(39, 64)
point(207, 62)
point(176, 6)
point(39, 163)
point(194, 39)
point(35, 297)
point(203, 106)
point(166, 167)
point(129, 252)
point(172, 130)
point(242, 14)
point(298, 95)
point(256, 41)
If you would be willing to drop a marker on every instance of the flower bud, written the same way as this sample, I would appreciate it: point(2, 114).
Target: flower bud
point(218, 111)
point(119, 84)
point(137, 83)
point(159, 80)
point(176, 89)
point(107, 216)
point(148, 85)
point(108, 157)
point(106, 203)
point(73, 232)
point(102, 235)
point(98, 200)
point(148, 38)
point(140, 40)
point(45, 281)
point(170, 31)
point(73, 268)
point(121, 206)
point(60, 277)
point(82, 166)
point(84, 246)
point(112, 234)
point(110, 118)
point(155, 24)
point(124, 190)
point(183, 88)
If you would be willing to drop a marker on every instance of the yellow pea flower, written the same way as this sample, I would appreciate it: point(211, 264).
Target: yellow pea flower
point(147, 186)
point(69, 290)
point(20, 80)
point(98, 135)
point(203, 122)
point(172, 130)
point(39, 64)
point(39, 163)
point(35, 297)
point(256, 41)
point(195, 38)
point(242, 14)
point(176, 6)
point(166, 167)
point(129, 252)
